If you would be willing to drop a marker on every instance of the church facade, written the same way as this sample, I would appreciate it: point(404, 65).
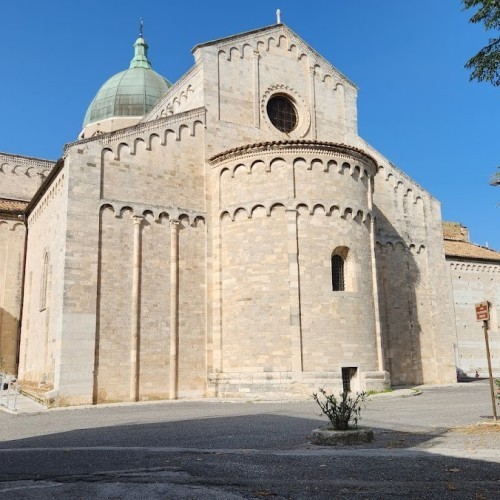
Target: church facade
point(234, 237)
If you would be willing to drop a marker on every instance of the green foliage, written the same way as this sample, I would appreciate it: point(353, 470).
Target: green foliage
point(485, 65)
point(342, 410)
point(372, 393)
point(495, 179)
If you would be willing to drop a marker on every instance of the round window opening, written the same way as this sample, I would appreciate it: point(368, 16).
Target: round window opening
point(282, 113)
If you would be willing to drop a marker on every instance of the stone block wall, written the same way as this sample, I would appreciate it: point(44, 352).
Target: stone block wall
point(21, 176)
point(12, 237)
point(255, 300)
point(279, 214)
point(115, 305)
point(164, 168)
point(41, 335)
point(474, 282)
point(338, 327)
point(112, 185)
point(185, 94)
point(416, 305)
point(240, 76)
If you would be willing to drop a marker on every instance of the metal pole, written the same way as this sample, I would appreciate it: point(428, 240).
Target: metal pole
point(485, 326)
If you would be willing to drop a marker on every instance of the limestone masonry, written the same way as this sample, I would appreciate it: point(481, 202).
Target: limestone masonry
point(233, 238)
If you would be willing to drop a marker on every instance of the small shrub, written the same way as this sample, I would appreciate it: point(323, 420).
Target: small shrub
point(342, 410)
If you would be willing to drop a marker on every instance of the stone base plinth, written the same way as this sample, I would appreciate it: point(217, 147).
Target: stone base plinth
point(279, 385)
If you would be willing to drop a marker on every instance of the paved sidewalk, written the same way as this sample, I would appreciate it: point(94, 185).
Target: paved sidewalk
point(28, 405)
point(425, 447)
point(25, 405)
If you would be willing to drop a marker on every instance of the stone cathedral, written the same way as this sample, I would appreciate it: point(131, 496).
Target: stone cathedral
point(227, 235)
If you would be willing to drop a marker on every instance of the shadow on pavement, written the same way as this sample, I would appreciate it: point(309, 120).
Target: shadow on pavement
point(236, 457)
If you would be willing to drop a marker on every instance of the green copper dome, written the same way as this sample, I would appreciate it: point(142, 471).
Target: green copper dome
point(132, 92)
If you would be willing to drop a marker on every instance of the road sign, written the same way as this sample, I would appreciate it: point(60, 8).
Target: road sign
point(482, 311)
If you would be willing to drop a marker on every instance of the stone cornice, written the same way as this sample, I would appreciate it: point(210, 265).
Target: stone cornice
point(26, 161)
point(186, 116)
point(302, 146)
point(141, 209)
point(384, 162)
point(45, 186)
point(171, 92)
point(124, 133)
point(250, 36)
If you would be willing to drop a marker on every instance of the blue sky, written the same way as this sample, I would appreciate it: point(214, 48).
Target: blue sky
point(415, 105)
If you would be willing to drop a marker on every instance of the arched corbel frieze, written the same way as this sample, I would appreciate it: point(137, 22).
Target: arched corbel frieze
point(168, 133)
point(136, 142)
point(246, 49)
point(256, 164)
point(334, 210)
point(275, 206)
point(327, 79)
point(198, 221)
point(240, 213)
point(180, 131)
point(255, 208)
point(196, 125)
point(347, 214)
point(316, 162)
point(331, 165)
point(149, 145)
point(345, 167)
point(283, 42)
point(276, 162)
point(239, 169)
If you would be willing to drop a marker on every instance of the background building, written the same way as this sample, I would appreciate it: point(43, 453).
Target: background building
point(475, 277)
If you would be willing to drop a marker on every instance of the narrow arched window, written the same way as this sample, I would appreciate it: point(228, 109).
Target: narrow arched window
point(338, 283)
point(44, 281)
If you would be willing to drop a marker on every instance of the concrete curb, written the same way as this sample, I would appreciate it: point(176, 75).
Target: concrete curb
point(330, 437)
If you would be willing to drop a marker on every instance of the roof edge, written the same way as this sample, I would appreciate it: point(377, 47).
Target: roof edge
point(27, 159)
point(44, 187)
point(235, 37)
point(286, 29)
point(290, 145)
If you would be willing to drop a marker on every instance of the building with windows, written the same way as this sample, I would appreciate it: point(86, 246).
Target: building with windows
point(227, 235)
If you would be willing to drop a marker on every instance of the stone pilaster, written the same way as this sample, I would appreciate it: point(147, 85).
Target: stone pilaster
point(135, 310)
point(174, 308)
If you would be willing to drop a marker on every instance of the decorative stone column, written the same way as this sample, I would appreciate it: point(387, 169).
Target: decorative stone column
point(256, 88)
point(312, 100)
point(376, 310)
point(293, 267)
point(174, 309)
point(135, 313)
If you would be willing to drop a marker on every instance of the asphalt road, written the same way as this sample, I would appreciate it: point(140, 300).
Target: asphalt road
point(423, 448)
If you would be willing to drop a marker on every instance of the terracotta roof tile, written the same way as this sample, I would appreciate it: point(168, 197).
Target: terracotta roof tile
point(467, 250)
point(12, 205)
point(455, 231)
